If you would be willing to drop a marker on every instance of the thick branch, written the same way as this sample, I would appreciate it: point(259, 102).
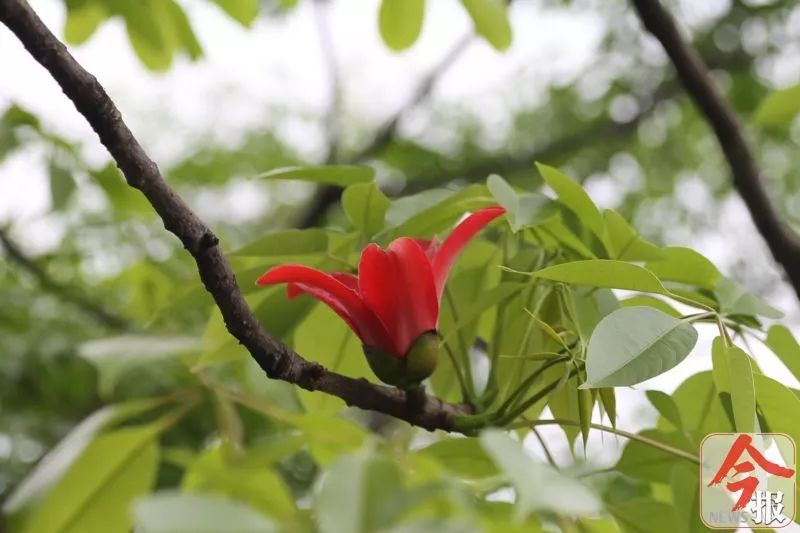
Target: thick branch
point(66, 293)
point(747, 179)
point(276, 359)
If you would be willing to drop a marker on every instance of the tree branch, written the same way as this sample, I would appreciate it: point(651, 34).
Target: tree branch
point(276, 359)
point(65, 292)
point(322, 19)
point(328, 195)
point(747, 180)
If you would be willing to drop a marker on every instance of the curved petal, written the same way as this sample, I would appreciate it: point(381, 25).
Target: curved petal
point(379, 289)
point(418, 291)
point(458, 238)
point(294, 289)
point(397, 284)
point(429, 246)
point(332, 292)
point(349, 280)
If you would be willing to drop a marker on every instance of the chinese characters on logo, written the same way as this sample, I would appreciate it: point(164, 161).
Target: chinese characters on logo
point(747, 488)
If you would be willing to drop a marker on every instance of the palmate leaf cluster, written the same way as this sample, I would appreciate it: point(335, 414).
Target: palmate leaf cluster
point(212, 441)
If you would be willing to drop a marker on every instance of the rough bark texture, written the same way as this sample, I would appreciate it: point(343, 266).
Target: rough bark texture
point(276, 359)
point(693, 73)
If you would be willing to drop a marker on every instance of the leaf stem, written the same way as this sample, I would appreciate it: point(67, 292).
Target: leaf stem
point(528, 403)
point(697, 317)
point(448, 295)
point(526, 384)
point(621, 432)
point(466, 392)
point(689, 301)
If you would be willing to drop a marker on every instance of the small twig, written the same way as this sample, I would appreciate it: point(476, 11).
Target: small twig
point(328, 53)
point(747, 179)
point(545, 448)
point(328, 195)
point(62, 291)
point(621, 432)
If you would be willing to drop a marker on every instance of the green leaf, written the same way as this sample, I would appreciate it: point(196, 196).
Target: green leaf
point(324, 337)
point(434, 210)
point(486, 299)
point(286, 243)
point(547, 329)
point(522, 211)
point(145, 33)
point(359, 494)
point(591, 306)
point(328, 437)
point(491, 21)
point(642, 461)
point(538, 486)
point(609, 400)
point(585, 406)
point(736, 300)
point(684, 485)
point(463, 457)
point(779, 405)
point(721, 370)
point(666, 407)
point(365, 206)
point(62, 185)
point(242, 480)
point(639, 516)
point(242, 11)
point(115, 356)
point(779, 108)
point(124, 199)
point(178, 31)
point(559, 231)
point(83, 19)
point(743, 396)
point(406, 207)
point(400, 22)
point(634, 344)
point(169, 512)
point(341, 175)
point(700, 407)
point(623, 241)
point(563, 403)
point(603, 273)
point(572, 195)
point(684, 265)
point(34, 488)
point(649, 301)
point(781, 341)
point(97, 490)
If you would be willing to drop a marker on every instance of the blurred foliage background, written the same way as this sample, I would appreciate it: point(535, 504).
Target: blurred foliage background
point(99, 305)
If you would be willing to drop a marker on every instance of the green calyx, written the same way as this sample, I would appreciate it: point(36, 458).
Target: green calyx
point(418, 363)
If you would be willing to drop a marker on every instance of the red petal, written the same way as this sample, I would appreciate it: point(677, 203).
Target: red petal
point(347, 279)
point(457, 240)
point(418, 294)
point(329, 290)
point(429, 246)
point(292, 290)
point(398, 286)
point(378, 287)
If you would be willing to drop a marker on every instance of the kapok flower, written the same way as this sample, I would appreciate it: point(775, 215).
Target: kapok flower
point(393, 303)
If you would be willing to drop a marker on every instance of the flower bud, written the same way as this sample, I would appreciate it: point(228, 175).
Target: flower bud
point(417, 365)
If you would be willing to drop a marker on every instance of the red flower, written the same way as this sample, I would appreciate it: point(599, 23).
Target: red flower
point(395, 299)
